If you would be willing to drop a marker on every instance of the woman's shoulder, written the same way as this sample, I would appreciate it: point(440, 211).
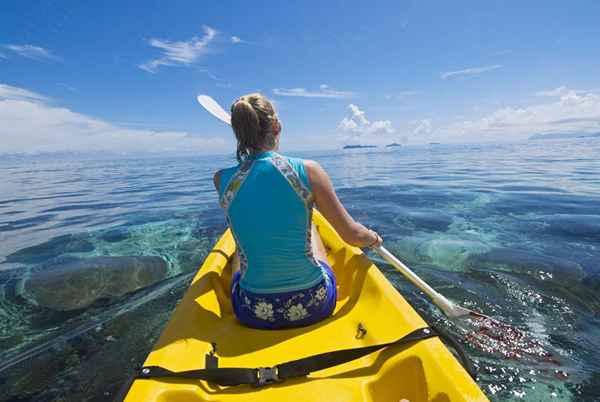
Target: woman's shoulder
point(222, 176)
point(224, 172)
point(302, 168)
point(295, 161)
point(228, 169)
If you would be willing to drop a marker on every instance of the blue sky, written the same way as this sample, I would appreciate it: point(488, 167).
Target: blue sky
point(123, 75)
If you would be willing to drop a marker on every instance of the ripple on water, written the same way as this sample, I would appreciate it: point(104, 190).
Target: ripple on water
point(508, 230)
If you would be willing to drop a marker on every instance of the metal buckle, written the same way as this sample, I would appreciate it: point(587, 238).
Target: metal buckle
point(266, 376)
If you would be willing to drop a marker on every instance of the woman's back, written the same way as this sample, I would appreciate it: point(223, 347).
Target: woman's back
point(268, 202)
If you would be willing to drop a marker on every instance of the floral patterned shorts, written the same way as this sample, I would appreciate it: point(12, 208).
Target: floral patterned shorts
point(285, 310)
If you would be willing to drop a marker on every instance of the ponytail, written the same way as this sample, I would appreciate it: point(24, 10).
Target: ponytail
point(252, 119)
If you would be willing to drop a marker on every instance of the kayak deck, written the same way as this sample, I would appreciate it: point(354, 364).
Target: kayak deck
point(423, 371)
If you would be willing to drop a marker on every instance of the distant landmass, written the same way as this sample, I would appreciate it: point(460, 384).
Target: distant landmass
point(359, 146)
point(557, 136)
point(393, 144)
point(434, 143)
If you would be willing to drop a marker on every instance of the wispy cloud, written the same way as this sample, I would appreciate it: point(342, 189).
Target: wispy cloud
point(8, 92)
point(559, 91)
point(67, 87)
point(402, 95)
point(3, 56)
point(180, 53)
point(32, 52)
point(323, 92)
point(31, 125)
point(469, 71)
point(236, 39)
point(356, 126)
point(219, 82)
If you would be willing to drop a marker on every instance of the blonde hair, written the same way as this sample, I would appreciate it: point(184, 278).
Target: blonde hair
point(255, 124)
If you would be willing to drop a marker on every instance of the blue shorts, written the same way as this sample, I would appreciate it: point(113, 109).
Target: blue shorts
point(285, 310)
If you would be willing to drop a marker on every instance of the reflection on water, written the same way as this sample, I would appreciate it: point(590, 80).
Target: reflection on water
point(511, 230)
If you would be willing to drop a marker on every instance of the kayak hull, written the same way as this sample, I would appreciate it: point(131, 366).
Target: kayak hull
point(423, 371)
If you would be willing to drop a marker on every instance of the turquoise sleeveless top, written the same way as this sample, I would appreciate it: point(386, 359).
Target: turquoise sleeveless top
point(268, 203)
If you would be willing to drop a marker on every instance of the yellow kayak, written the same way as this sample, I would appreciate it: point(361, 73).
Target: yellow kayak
point(369, 311)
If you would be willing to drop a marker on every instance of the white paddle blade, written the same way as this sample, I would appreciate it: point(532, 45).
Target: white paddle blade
point(214, 108)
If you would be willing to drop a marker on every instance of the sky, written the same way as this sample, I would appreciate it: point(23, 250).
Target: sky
point(122, 76)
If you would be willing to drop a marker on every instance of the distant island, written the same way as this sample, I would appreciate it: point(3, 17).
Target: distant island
point(434, 143)
point(358, 146)
point(393, 144)
point(557, 136)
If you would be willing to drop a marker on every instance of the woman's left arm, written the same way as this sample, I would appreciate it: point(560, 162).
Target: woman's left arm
point(217, 180)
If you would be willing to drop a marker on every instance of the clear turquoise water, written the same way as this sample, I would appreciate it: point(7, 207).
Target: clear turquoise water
point(511, 230)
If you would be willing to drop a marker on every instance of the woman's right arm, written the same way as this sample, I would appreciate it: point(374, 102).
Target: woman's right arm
point(332, 209)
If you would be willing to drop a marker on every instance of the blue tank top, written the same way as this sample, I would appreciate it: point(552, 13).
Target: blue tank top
point(268, 203)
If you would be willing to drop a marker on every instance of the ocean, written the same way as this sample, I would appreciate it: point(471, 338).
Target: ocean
point(512, 230)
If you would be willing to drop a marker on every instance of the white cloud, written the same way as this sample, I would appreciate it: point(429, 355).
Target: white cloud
point(469, 71)
point(572, 112)
point(562, 90)
point(3, 56)
point(423, 128)
point(32, 52)
point(30, 124)
point(358, 115)
point(323, 92)
point(179, 53)
point(236, 39)
point(357, 127)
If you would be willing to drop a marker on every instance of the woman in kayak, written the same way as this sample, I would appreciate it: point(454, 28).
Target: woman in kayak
point(281, 277)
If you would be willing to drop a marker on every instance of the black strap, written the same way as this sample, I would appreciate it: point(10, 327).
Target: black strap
point(460, 351)
point(292, 369)
point(305, 366)
point(221, 376)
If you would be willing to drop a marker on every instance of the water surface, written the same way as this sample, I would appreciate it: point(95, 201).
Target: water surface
point(511, 230)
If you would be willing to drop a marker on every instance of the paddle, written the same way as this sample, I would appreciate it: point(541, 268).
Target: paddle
point(214, 108)
point(493, 334)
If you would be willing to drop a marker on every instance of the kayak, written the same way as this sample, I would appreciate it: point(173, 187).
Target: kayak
point(369, 311)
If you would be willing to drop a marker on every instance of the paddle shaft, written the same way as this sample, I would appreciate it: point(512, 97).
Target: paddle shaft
point(449, 308)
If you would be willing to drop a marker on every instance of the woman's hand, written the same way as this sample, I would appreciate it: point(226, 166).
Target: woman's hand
point(377, 240)
point(366, 238)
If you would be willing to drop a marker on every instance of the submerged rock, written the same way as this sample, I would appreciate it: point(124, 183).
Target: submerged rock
point(582, 226)
point(593, 281)
point(431, 221)
point(52, 248)
point(523, 262)
point(191, 253)
point(449, 253)
point(115, 235)
point(78, 283)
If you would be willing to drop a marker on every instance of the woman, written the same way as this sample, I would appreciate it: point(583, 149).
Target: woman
point(281, 277)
